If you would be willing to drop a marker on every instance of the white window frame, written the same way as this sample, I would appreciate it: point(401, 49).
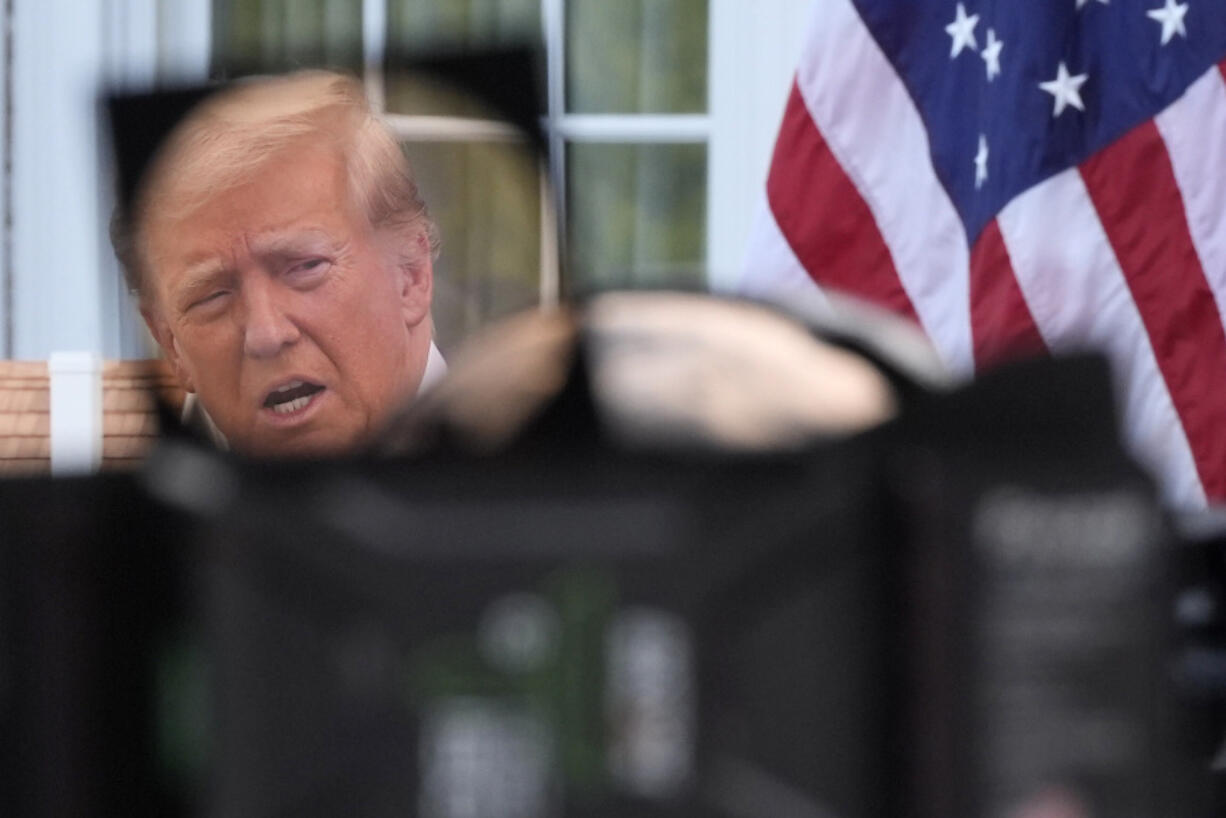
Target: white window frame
point(62, 285)
point(60, 288)
point(431, 128)
point(751, 47)
point(563, 128)
point(753, 51)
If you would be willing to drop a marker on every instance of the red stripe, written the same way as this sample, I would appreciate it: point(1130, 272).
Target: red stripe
point(1001, 323)
point(823, 217)
point(1132, 185)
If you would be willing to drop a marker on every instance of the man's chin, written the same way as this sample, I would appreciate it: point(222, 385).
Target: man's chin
point(313, 442)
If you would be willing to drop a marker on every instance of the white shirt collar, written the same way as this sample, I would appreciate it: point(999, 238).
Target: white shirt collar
point(436, 368)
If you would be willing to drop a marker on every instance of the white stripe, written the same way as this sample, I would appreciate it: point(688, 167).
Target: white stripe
point(875, 132)
point(772, 273)
point(1194, 129)
point(1080, 300)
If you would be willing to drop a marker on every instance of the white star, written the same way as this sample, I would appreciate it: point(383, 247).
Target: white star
point(962, 30)
point(1066, 89)
point(1171, 16)
point(1081, 3)
point(981, 162)
point(991, 54)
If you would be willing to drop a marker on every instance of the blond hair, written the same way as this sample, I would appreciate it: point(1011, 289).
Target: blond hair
point(229, 135)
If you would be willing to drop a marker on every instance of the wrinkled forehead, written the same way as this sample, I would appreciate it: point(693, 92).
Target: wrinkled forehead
point(190, 175)
point(304, 184)
point(191, 185)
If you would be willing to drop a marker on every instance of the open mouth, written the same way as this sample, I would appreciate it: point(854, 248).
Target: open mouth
point(292, 397)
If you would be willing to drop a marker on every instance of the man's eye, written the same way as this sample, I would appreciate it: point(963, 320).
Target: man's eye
point(309, 266)
point(212, 299)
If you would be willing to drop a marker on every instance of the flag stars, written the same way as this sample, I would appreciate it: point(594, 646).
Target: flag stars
point(991, 55)
point(1081, 3)
point(1171, 16)
point(981, 162)
point(962, 32)
point(1066, 89)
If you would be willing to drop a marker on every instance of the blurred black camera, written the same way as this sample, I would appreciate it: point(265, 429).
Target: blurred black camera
point(970, 605)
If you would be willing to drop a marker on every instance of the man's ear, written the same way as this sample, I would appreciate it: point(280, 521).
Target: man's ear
point(161, 332)
point(416, 270)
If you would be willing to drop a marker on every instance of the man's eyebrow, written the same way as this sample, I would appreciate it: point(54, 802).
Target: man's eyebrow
point(293, 242)
point(208, 268)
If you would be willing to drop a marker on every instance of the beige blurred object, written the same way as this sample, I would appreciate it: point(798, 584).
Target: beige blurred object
point(496, 382)
point(687, 367)
point(130, 390)
point(888, 335)
point(667, 370)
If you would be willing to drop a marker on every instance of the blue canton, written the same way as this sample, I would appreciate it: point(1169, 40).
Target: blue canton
point(992, 138)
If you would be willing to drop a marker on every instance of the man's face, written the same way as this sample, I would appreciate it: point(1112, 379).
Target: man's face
point(296, 323)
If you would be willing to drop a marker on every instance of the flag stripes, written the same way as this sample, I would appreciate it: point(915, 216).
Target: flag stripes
point(1081, 302)
point(883, 149)
point(1001, 324)
point(1125, 254)
point(1132, 186)
point(835, 232)
point(1194, 131)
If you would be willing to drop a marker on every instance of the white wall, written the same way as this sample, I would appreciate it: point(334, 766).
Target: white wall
point(65, 285)
point(57, 63)
point(754, 49)
point(64, 280)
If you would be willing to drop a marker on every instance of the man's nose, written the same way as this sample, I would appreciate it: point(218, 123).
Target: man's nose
point(269, 329)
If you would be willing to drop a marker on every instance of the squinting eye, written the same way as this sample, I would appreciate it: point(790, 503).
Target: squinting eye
point(309, 266)
point(211, 298)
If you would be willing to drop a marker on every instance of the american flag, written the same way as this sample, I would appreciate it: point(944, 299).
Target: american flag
point(1022, 176)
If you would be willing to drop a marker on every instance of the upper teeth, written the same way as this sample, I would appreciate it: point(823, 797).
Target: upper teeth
point(288, 386)
point(292, 405)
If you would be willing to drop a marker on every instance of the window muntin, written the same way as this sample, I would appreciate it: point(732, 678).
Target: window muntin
point(626, 122)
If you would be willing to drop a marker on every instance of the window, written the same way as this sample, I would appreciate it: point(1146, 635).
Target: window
point(626, 122)
point(662, 114)
point(629, 130)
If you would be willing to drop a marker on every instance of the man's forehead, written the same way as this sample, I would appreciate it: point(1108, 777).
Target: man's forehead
point(191, 191)
point(291, 198)
point(291, 240)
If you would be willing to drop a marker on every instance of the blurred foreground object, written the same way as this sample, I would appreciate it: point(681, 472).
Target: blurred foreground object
point(272, 215)
point(276, 234)
point(665, 371)
point(1063, 203)
point(616, 597)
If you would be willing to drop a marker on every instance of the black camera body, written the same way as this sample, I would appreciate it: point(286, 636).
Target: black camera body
point(975, 609)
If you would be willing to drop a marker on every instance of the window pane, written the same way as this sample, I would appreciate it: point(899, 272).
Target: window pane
point(406, 92)
point(635, 215)
point(485, 198)
point(636, 56)
point(279, 35)
point(417, 26)
point(457, 24)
